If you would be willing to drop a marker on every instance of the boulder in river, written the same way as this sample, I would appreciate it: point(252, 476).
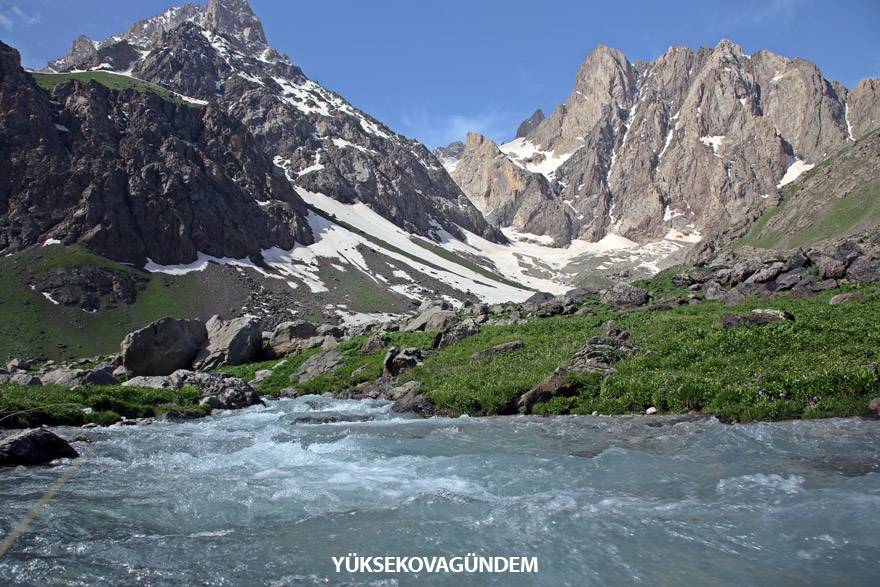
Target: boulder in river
point(34, 446)
point(163, 347)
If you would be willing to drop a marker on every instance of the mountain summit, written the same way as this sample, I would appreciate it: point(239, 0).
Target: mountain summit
point(218, 53)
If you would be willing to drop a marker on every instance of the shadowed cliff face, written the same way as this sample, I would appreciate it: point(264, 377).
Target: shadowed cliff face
point(133, 176)
point(219, 53)
point(693, 141)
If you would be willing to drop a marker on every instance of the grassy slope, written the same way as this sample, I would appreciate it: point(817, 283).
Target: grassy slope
point(816, 366)
point(114, 81)
point(30, 325)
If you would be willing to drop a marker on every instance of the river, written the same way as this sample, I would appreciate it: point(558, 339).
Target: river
point(267, 496)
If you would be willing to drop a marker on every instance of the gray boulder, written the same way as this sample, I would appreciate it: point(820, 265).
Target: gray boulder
point(373, 344)
point(228, 391)
point(846, 297)
point(413, 402)
point(26, 379)
point(34, 446)
point(315, 365)
point(434, 319)
point(501, 348)
point(163, 347)
point(624, 295)
point(290, 337)
point(759, 317)
point(230, 342)
point(712, 290)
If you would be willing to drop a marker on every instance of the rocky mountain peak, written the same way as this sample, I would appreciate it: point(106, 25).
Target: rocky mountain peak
point(530, 123)
point(236, 20)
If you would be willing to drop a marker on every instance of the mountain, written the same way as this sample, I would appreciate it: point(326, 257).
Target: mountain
point(677, 148)
point(219, 54)
point(135, 177)
point(449, 155)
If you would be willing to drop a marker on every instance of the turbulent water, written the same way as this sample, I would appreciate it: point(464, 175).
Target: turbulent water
point(267, 496)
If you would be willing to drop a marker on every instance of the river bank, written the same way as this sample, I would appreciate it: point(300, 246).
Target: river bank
point(810, 359)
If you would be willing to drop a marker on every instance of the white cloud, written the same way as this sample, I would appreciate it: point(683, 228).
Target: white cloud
point(24, 17)
point(11, 15)
point(434, 130)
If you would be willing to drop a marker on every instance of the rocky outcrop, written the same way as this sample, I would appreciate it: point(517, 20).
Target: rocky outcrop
point(863, 108)
point(318, 364)
point(35, 446)
point(292, 337)
point(758, 317)
point(624, 295)
point(398, 360)
point(221, 391)
point(530, 124)
point(230, 342)
point(500, 348)
point(163, 347)
point(597, 356)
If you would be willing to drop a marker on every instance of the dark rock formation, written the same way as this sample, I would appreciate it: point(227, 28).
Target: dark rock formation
point(163, 346)
point(35, 446)
point(134, 177)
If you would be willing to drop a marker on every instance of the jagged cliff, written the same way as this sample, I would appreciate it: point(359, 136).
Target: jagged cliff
point(694, 141)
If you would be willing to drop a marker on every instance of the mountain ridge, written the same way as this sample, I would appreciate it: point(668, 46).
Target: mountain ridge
point(693, 141)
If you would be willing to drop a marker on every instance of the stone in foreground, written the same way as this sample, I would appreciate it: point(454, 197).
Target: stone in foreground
point(35, 446)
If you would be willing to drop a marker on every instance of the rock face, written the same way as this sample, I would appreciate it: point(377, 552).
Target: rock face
point(507, 194)
point(230, 342)
point(821, 205)
point(36, 446)
point(219, 53)
point(290, 337)
point(163, 347)
point(693, 142)
point(133, 176)
point(449, 155)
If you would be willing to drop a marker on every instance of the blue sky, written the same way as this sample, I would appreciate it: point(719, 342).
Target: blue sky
point(434, 70)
